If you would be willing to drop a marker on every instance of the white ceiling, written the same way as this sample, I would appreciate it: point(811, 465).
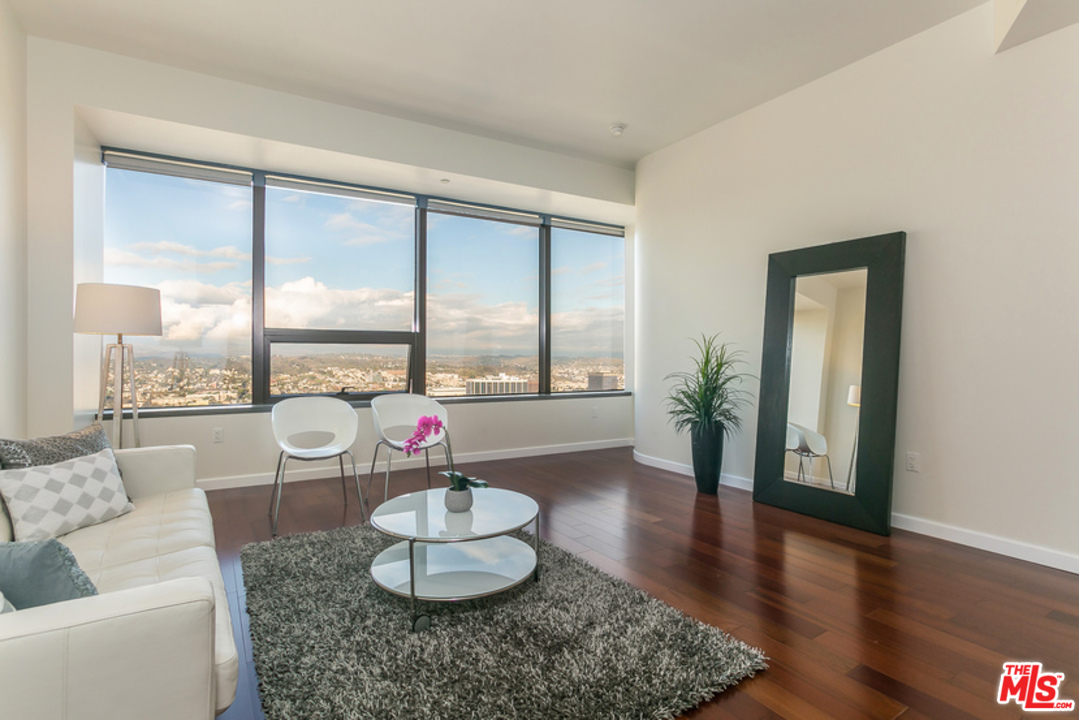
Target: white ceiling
point(552, 74)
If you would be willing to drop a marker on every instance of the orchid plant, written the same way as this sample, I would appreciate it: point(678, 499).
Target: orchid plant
point(425, 428)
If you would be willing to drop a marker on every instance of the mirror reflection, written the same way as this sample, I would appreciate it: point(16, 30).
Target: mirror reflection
point(826, 337)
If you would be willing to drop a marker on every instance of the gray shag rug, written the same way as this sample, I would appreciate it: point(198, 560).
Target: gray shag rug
point(329, 643)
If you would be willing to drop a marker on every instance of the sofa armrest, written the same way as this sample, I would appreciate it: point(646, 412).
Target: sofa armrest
point(156, 470)
point(146, 652)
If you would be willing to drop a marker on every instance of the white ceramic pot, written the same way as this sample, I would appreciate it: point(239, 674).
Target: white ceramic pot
point(459, 500)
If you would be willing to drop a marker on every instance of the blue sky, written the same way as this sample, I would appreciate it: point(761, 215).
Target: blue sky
point(344, 262)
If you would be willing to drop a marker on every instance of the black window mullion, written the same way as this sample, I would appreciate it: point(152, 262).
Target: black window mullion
point(260, 355)
point(545, 307)
point(338, 337)
point(419, 323)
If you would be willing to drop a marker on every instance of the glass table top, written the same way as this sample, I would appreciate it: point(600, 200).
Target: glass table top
point(423, 515)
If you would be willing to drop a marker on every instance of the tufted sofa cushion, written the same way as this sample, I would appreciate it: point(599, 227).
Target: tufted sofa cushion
point(165, 537)
point(159, 524)
point(193, 562)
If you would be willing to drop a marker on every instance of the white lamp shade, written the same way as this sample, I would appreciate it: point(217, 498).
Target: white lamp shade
point(854, 396)
point(104, 309)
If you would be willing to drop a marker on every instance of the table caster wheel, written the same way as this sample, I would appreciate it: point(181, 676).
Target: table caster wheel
point(421, 623)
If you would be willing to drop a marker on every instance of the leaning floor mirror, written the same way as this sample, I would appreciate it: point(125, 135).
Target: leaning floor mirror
point(830, 381)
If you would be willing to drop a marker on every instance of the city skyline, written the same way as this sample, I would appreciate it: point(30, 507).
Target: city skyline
point(183, 380)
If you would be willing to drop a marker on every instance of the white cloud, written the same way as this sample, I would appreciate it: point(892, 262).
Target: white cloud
point(195, 313)
point(123, 258)
point(588, 331)
point(306, 303)
point(168, 246)
point(369, 239)
point(459, 322)
point(365, 233)
point(189, 324)
point(287, 261)
point(193, 292)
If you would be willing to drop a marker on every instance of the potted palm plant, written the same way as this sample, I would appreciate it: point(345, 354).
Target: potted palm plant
point(707, 400)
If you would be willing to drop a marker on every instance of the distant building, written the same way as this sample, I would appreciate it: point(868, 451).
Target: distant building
point(496, 386)
point(603, 381)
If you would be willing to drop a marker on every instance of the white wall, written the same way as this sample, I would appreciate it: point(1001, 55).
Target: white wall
point(74, 91)
point(481, 431)
point(12, 224)
point(976, 156)
point(88, 217)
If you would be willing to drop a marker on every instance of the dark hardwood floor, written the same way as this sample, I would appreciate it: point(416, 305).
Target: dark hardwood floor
point(855, 625)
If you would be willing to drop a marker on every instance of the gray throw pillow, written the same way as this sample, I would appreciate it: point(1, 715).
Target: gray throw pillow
point(52, 500)
point(40, 573)
point(51, 450)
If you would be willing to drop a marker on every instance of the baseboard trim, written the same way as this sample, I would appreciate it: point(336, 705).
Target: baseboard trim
point(970, 538)
point(1037, 554)
point(734, 481)
point(296, 474)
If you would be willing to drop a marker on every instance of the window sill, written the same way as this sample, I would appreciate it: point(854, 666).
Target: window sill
point(149, 413)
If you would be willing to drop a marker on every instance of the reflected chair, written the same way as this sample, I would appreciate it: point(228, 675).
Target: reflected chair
point(808, 444)
point(395, 416)
point(313, 428)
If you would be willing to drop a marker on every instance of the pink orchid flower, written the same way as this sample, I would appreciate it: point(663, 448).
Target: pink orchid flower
point(425, 427)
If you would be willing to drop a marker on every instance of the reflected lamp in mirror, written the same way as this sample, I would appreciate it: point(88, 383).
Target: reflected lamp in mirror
point(854, 399)
point(107, 309)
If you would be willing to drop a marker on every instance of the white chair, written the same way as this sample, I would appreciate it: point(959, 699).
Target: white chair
point(330, 426)
point(806, 443)
point(395, 416)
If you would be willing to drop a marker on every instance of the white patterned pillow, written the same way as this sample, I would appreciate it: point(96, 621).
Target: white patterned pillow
point(48, 501)
point(5, 606)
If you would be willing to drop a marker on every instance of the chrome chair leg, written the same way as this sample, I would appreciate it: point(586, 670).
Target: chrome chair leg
point(273, 492)
point(355, 475)
point(374, 459)
point(277, 507)
point(830, 478)
point(344, 488)
point(389, 459)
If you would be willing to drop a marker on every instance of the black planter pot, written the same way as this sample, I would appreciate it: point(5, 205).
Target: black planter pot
point(707, 443)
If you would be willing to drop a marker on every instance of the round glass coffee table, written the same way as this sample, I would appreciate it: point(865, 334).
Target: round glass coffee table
point(448, 556)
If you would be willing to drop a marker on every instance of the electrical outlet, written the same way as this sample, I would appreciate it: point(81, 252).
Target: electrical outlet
point(219, 435)
point(595, 411)
point(914, 462)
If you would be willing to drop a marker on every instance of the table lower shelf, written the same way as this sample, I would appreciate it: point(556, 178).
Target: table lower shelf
point(455, 571)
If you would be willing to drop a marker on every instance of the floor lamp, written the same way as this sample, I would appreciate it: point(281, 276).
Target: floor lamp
point(103, 309)
point(854, 399)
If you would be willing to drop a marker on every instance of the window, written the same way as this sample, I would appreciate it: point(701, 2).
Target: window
point(276, 285)
point(190, 238)
point(482, 306)
point(588, 291)
point(338, 261)
point(304, 368)
point(340, 269)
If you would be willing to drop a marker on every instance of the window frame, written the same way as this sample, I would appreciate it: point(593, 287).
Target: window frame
point(415, 339)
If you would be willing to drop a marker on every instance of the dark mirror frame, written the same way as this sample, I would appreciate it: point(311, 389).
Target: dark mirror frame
point(870, 508)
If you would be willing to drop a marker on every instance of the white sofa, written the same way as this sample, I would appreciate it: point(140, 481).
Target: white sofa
point(157, 640)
